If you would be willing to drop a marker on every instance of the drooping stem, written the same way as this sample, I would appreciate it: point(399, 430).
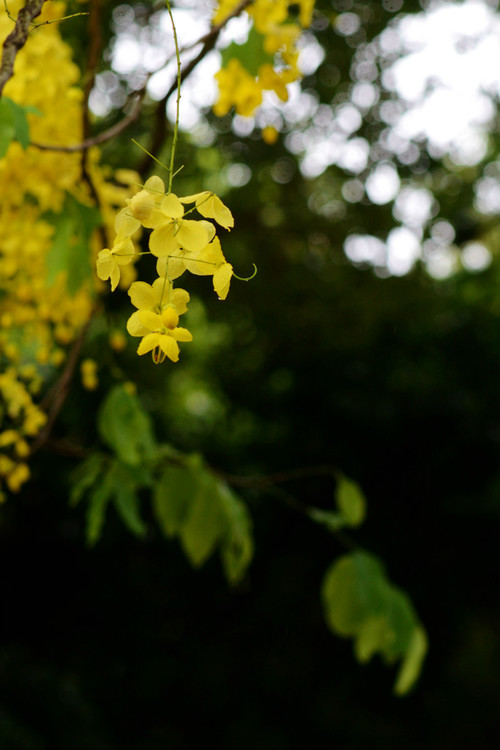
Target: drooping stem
point(176, 126)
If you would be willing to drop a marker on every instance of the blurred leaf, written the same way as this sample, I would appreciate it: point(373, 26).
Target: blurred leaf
point(350, 501)
point(412, 663)
point(125, 427)
point(360, 602)
point(237, 544)
point(69, 253)
point(251, 54)
point(204, 523)
point(85, 476)
point(125, 498)
point(7, 126)
point(190, 502)
point(96, 511)
point(173, 495)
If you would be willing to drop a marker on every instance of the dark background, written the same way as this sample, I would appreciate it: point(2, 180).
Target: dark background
point(394, 381)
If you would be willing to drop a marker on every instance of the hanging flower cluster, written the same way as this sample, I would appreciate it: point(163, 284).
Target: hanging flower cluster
point(238, 87)
point(180, 244)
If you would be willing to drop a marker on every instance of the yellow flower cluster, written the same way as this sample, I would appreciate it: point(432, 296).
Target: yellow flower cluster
point(40, 319)
point(240, 89)
point(180, 244)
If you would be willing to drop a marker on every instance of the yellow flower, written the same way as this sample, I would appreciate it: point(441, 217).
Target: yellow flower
point(144, 206)
point(109, 261)
point(211, 207)
point(88, 369)
point(160, 333)
point(175, 232)
point(210, 262)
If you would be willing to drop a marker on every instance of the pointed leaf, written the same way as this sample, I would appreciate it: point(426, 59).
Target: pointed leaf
point(125, 427)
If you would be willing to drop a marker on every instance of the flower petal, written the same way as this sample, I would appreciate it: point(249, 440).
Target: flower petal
point(182, 334)
point(192, 235)
point(172, 207)
point(125, 223)
point(222, 279)
point(148, 343)
point(142, 295)
point(179, 299)
point(162, 241)
point(135, 327)
point(170, 347)
point(150, 320)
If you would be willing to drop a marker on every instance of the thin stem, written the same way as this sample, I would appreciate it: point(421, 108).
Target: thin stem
point(176, 126)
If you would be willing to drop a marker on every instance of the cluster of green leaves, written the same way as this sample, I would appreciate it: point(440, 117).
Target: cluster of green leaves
point(194, 505)
point(189, 501)
point(360, 602)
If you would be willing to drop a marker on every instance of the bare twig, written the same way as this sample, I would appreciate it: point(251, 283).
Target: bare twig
point(106, 135)
point(17, 39)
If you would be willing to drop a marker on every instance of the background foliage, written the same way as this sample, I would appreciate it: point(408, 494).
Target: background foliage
point(320, 368)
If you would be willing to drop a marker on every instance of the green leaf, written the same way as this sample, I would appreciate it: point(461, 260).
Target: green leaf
point(251, 53)
point(7, 126)
point(412, 663)
point(360, 602)
point(350, 501)
point(354, 589)
point(192, 503)
point(173, 495)
point(69, 253)
point(96, 511)
point(204, 523)
point(237, 543)
point(14, 124)
point(125, 499)
point(85, 476)
point(125, 427)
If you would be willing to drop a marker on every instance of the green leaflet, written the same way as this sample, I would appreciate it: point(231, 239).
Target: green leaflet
point(192, 503)
point(107, 480)
point(251, 53)
point(69, 253)
point(125, 427)
point(14, 124)
point(351, 507)
point(360, 602)
point(350, 501)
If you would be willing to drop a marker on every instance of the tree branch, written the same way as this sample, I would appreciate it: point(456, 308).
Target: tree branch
point(17, 39)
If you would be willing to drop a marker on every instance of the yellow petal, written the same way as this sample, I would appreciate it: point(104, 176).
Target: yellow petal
point(161, 287)
point(142, 295)
point(192, 235)
point(150, 320)
point(155, 185)
point(170, 347)
point(104, 265)
point(182, 334)
point(125, 223)
point(172, 207)
point(180, 298)
point(135, 327)
point(171, 266)
point(222, 279)
point(148, 343)
point(213, 208)
point(162, 241)
point(195, 197)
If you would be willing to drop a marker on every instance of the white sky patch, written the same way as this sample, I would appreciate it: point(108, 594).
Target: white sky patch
point(475, 257)
point(382, 185)
point(403, 249)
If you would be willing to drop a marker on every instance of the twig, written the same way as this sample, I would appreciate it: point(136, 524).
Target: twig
point(17, 39)
point(106, 135)
point(209, 41)
point(55, 398)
